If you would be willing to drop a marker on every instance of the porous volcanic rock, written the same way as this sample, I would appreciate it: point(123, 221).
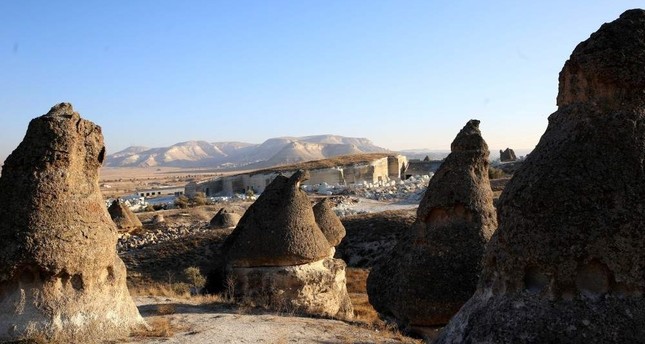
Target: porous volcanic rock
point(123, 217)
point(224, 219)
point(278, 257)
point(507, 155)
point(567, 264)
point(329, 222)
point(278, 229)
point(60, 276)
point(433, 269)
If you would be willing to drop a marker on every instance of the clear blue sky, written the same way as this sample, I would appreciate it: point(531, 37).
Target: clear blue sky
point(406, 74)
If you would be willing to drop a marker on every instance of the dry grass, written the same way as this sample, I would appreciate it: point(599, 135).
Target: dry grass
point(157, 327)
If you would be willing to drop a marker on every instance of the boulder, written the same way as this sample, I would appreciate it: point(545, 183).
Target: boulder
point(567, 263)
point(60, 276)
point(158, 219)
point(123, 217)
point(224, 219)
point(433, 269)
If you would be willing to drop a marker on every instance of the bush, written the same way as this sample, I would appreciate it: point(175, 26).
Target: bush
point(195, 277)
point(181, 202)
point(495, 173)
point(199, 198)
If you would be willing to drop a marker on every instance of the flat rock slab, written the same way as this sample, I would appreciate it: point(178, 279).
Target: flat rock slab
point(219, 324)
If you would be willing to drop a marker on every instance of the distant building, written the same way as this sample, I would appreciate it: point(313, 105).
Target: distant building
point(421, 167)
point(345, 170)
point(167, 191)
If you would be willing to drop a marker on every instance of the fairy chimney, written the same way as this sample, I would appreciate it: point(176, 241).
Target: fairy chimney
point(433, 269)
point(278, 229)
point(224, 219)
point(329, 222)
point(279, 257)
point(60, 276)
point(567, 263)
point(123, 217)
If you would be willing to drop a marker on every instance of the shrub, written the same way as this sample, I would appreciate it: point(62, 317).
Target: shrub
point(195, 277)
point(495, 173)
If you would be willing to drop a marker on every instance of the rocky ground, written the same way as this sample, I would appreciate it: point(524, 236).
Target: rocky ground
point(185, 321)
point(157, 268)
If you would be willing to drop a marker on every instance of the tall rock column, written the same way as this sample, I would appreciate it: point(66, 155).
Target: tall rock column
point(567, 264)
point(433, 269)
point(60, 276)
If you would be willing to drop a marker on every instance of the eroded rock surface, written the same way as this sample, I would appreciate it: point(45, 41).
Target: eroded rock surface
point(60, 276)
point(278, 229)
point(329, 222)
point(507, 155)
point(224, 219)
point(123, 217)
point(567, 263)
point(278, 257)
point(433, 269)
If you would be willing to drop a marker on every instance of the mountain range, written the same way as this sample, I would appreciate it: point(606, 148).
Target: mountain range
point(272, 152)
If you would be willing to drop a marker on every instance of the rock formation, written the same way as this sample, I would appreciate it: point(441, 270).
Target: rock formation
point(328, 222)
point(567, 263)
point(224, 219)
point(277, 255)
point(158, 219)
point(60, 276)
point(507, 155)
point(123, 217)
point(433, 269)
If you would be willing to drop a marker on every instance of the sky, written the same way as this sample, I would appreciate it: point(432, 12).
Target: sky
point(405, 74)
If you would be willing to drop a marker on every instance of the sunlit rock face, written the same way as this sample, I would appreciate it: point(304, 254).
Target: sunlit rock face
point(224, 219)
point(60, 276)
point(278, 256)
point(567, 263)
point(433, 269)
point(123, 217)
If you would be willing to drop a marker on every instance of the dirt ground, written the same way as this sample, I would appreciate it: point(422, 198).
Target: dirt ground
point(160, 288)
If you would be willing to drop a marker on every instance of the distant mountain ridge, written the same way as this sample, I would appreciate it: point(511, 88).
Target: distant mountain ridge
point(272, 152)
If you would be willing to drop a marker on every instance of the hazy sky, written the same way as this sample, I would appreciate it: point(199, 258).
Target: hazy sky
point(405, 74)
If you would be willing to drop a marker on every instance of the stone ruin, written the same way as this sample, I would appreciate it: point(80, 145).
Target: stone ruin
point(279, 258)
point(60, 276)
point(123, 217)
point(507, 155)
point(433, 269)
point(224, 219)
point(567, 264)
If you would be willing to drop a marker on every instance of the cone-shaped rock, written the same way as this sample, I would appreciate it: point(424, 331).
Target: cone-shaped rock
point(329, 222)
point(123, 217)
point(224, 219)
point(433, 269)
point(60, 276)
point(567, 264)
point(278, 257)
point(278, 229)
